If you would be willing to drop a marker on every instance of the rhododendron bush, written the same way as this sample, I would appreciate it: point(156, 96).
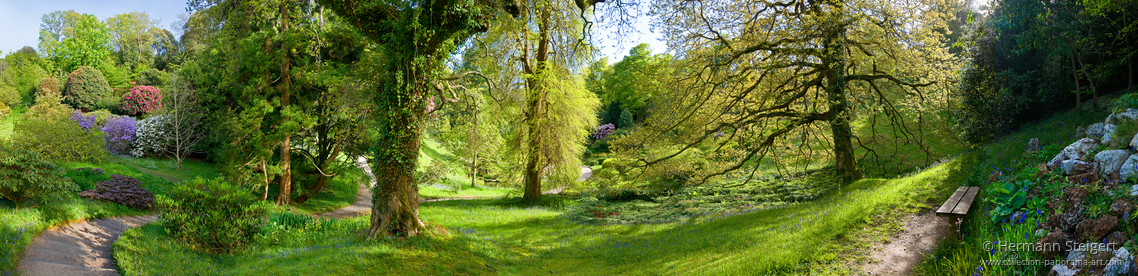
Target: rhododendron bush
point(142, 99)
point(119, 134)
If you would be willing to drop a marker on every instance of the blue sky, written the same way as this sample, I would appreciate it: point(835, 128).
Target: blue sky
point(20, 21)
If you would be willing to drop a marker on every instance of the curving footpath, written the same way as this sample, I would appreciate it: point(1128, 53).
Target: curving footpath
point(81, 248)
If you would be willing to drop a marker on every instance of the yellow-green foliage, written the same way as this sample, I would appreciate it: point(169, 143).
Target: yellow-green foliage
point(5, 111)
point(49, 107)
point(8, 95)
point(101, 116)
point(48, 87)
point(59, 138)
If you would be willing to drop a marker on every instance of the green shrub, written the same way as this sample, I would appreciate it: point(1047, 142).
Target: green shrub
point(85, 88)
point(59, 139)
point(4, 111)
point(49, 87)
point(110, 102)
point(49, 107)
point(432, 174)
point(1126, 101)
point(25, 175)
point(86, 178)
point(211, 214)
point(101, 116)
point(153, 77)
point(8, 95)
point(625, 120)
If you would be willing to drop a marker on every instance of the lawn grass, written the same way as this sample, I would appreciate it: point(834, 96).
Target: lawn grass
point(8, 125)
point(495, 236)
point(433, 192)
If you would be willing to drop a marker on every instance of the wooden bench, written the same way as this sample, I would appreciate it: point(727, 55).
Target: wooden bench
point(958, 204)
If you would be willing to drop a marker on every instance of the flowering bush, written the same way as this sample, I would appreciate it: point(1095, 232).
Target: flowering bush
point(84, 88)
point(150, 138)
point(603, 131)
point(119, 134)
point(123, 190)
point(85, 122)
point(142, 99)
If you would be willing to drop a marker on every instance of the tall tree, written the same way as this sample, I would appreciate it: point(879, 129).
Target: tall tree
point(415, 37)
point(759, 70)
point(71, 40)
point(132, 37)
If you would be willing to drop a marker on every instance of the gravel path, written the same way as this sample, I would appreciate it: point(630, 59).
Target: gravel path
point(907, 249)
point(81, 248)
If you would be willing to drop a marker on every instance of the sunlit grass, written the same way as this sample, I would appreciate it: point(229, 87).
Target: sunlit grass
point(495, 236)
point(8, 125)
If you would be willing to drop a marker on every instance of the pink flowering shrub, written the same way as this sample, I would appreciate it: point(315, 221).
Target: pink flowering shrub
point(142, 99)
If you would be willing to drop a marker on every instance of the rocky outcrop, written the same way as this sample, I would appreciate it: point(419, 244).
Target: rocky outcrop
point(1129, 168)
point(1110, 161)
point(1075, 151)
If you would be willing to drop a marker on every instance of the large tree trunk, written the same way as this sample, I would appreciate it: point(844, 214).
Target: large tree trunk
point(532, 175)
point(844, 158)
point(284, 195)
point(396, 202)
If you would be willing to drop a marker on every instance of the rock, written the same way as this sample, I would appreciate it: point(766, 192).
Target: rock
point(1134, 190)
point(1076, 150)
point(1094, 230)
point(1095, 131)
point(1129, 168)
point(1110, 161)
point(1054, 244)
point(1074, 167)
point(1066, 221)
point(1129, 115)
point(1107, 137)
point(1033, 145)
point(1120, 263)
point(1115, 240)
point(1089, 256)
point(1081, 132)
point(1134, 142)
point(1062, 270)
point(1109, 128)
point(1075, 196)
point(1121, 208)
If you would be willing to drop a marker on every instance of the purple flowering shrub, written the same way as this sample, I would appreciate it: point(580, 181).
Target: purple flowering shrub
point(142, 99)
point(123, 190)
point(119, 134)
point(85, 122)
point(603, 131)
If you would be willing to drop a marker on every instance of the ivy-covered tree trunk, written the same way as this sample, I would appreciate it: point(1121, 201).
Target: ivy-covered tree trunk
point(396, 203)
point(845, 162)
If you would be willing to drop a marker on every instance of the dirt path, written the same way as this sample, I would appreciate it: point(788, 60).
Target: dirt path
point(907, 249)
point(80, 248)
